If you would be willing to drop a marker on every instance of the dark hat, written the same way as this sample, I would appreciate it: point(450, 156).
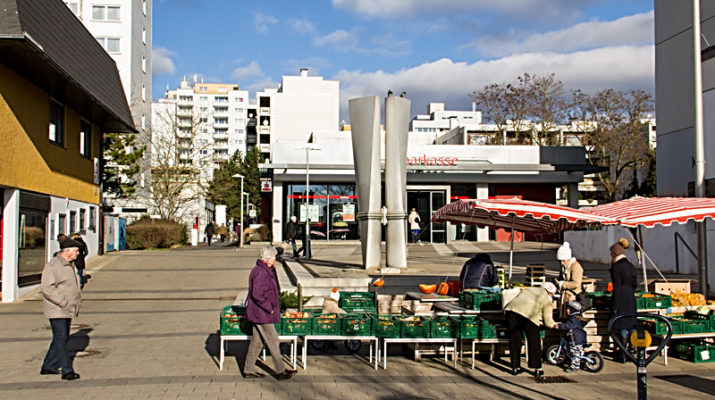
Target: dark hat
point(67, 243)
point(617, 249)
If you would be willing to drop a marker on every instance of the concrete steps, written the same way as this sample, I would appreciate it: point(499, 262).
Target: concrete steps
point(318, 288)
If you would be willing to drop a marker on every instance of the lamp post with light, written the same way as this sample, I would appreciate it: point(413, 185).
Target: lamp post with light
point(307, 198)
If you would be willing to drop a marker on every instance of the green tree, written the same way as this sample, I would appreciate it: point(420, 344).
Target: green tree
point(224, 188)
point(121, 156)
point(252, 181)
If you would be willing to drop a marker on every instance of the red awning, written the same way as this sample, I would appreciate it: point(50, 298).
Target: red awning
point(522, 215)
point(649, 211)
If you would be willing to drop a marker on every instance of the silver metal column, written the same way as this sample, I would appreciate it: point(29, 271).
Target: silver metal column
point(365, 131)
point(397, 119)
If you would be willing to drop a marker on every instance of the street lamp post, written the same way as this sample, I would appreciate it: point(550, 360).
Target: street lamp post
point(241, 233)
point(307, 199)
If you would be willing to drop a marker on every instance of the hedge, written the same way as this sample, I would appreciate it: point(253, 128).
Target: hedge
point(148, 233)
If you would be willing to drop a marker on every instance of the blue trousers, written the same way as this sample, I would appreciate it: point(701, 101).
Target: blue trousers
point(58, 355)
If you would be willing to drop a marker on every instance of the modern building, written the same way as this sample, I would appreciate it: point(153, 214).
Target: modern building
point(674, 112)
point(124, 29)
point(59, 92)
point(197, 128)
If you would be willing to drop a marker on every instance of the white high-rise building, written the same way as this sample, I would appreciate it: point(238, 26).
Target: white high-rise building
point(124, 29)
point(215, 111)
point(300, 106)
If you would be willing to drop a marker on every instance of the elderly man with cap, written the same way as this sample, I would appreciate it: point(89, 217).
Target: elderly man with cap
point(529, 309)
point(60, 303)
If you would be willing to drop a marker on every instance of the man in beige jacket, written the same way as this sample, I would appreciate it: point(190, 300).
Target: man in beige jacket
point(61, 301)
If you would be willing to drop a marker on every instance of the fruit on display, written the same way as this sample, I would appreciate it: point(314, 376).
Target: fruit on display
point(427, 289)
point(379, 282)
point(443, 289)
point(296, 315)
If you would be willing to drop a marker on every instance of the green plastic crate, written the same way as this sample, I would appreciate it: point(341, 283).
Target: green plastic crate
point(296, 326)
point(326, 324)
point(695, 352)
point(441, 327)
point(487, 330)
point(658, 327)
point(482, 300)
point(600, 300)
point(356, 325)
point(467, 327)
point(386, 326)
point(360, 310)
point(357, 300)
point(415, 329)
point(233, 321)
point(706, 317)
point(649, 303)
point(695, 326)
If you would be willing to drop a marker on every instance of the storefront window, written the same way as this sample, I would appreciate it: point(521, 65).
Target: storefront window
point(332, 210)
point(32, 246)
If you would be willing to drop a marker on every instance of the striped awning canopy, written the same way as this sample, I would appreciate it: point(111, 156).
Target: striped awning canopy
point(521, 215)
point(651, 211)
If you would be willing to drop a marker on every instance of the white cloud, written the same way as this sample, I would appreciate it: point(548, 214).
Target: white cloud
point(261, 85)
point(622, 67)
point(516, 9)
point(314, 64)
point(161, 62)
point(339, 40)
point(262, 22)
point(302, 26)
point(630, 30)
point(252, 70)
point(343, 41)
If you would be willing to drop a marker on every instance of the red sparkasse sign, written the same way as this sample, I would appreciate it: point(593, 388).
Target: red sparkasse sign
point(428, 160)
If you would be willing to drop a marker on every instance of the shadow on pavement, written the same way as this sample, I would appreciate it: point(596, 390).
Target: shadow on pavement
point(693, 382)
point(79, 341)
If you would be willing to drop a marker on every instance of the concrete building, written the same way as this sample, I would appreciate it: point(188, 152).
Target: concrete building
point(124, 29)
point(197, 128)
point(59, 92)
point(675, 116)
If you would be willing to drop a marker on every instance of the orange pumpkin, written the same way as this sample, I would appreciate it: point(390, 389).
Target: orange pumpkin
point(427, 289)
point(443, 289)
point(379, 282)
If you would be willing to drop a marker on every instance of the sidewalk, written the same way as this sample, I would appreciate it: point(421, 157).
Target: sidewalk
point(148, 329)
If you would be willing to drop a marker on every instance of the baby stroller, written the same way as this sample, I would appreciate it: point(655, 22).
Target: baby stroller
point(557, 354)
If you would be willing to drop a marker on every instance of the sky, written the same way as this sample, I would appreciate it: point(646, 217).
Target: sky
point(435, 50)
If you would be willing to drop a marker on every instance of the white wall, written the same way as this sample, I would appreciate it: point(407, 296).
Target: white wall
point(59, 205)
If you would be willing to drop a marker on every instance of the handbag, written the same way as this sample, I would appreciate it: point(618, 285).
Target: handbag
point(585, 300)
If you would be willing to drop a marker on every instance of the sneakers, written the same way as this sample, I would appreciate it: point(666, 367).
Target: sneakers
point(70, 376)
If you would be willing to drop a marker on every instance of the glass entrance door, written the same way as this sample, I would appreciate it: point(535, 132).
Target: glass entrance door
point(427, 201)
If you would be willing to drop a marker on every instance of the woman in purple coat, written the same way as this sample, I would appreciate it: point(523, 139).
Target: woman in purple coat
point(262, 310)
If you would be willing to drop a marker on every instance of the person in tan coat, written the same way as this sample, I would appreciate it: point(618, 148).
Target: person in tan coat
point(524, 314)
point(61, 300)
point(571, 280)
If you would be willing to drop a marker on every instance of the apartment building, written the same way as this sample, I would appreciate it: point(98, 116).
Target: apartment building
point(124, 29)
point(59, 91)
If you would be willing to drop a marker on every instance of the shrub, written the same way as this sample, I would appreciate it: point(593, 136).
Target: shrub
point(147, 233)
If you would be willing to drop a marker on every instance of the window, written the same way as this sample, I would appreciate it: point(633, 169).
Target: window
point(221, 120)
point(111, 45)
point(105, 13)
point(85, 139)
point(143, 35)
point(203, 89)
point(57, 123)
point(143, 64)
point(144, 6)
point(143, 92)
point(73, 221)
point(74, 7)
point(92, 219)
point(82, 218)
point(61, 224)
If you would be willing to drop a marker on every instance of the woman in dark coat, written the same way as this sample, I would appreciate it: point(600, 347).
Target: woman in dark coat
point(262, 310)
point(623, 277)
point(478, 272)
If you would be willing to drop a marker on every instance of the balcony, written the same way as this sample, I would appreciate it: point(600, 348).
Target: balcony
point(264, 129)
point(220, 136)
point(265, 148)
point(185, 103)
point(264, 110)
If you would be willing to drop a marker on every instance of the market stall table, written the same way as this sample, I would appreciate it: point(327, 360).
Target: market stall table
point(417, 341)
point(371, 339)
point(428, 298)
point(229, 338)
point(680, 336)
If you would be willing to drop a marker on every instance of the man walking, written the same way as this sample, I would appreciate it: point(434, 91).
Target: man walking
point(61, 300)
point(262, 310)
point(209, 231)
point(291, 231)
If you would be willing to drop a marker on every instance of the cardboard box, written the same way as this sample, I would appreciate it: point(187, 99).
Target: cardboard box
point(663, 287)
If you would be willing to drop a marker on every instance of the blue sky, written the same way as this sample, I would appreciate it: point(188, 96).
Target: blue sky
point(435, 50)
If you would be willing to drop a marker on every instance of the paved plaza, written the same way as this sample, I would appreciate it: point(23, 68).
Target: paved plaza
point(149, 321)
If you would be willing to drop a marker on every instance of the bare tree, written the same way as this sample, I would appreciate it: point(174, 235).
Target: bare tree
point(547, 107)
point(492, 100)
point(615, 134)
point(180, 154)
